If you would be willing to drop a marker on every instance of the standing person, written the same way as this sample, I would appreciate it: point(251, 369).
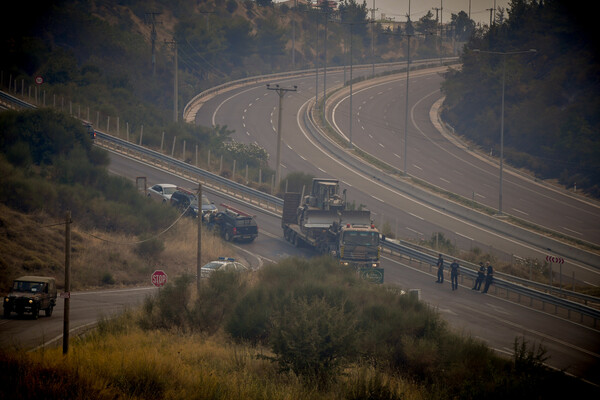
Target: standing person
point(480, 277)
point(440, 265)
point(454, 274)
point(489, 278)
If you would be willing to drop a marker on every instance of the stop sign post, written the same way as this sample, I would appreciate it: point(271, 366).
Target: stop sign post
point(159, 278)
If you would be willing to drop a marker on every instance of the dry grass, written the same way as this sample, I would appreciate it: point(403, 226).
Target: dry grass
point(35, 245)
point(170, 365)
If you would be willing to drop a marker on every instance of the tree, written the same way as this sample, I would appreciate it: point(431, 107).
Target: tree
point(313, 339)
point(463, 26)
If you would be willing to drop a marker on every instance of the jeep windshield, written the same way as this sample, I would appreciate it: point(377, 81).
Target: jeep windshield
point(361, 238)
point(28, 287)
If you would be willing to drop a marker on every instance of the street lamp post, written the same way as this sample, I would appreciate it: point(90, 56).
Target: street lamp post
point(281, 92)
point(503, 54)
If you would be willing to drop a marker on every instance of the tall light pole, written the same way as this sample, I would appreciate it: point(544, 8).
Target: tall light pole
point(281, 92)
point(351, 55)
point(503, 54)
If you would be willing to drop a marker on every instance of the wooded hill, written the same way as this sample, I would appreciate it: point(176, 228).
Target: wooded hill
point(552, 96)
point(100, 55)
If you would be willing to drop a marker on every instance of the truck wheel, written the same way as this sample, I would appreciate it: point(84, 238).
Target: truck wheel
point(295, 240)
point(49, 311)
point(6, 313)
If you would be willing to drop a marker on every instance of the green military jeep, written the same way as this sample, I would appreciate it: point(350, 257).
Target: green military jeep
point(31, 294)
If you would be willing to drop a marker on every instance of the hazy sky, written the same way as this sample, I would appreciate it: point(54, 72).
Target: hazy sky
point(398, 9)
point(418, 8)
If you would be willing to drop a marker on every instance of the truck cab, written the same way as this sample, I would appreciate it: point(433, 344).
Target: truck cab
point(30, 294)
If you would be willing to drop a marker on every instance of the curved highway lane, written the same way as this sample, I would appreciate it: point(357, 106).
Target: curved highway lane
point(251, 112)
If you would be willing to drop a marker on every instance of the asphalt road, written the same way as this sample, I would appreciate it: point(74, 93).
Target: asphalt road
point(572, 347)
point(252, 113)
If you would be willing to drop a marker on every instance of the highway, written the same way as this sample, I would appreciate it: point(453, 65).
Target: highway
point(571, 346)
point(433, 157)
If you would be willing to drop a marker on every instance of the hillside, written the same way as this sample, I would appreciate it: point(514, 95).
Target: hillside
point(552, 96)
point(119, 237)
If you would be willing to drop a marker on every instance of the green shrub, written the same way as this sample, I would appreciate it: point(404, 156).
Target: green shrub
point(217, 297)
point(107, 279)
point(314, 339)
point(170, 307)
point(150, 248)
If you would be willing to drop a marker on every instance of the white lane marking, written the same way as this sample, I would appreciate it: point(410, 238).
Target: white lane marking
point(465, 236)
point(519, 211)
point(416, 216)
point(412, 230)
point(571, 230)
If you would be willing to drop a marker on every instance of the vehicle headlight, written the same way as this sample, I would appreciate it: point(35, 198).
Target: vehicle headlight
point(6, 299)
point(30, 301)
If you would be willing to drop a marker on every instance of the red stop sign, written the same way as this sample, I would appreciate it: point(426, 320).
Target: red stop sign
point(159, 278)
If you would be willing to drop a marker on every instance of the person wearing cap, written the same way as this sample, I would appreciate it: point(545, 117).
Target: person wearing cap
point(480, 277)
point(454, 274)
point(440, 265)
point(489, 278)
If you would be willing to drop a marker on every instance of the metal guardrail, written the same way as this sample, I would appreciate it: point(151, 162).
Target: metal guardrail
point(191, 108)
point(274, 204)
point(504, 284)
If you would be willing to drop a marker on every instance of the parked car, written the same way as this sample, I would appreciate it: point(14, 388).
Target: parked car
point(185, 200)
point(162, 191)
point(234, 224)
point(30, 294)
point(222, 264)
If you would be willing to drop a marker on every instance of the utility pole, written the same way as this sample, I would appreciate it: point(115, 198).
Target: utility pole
point(325, 60)
point(152, 16)
point(199, 251)
point(175, 94)
point(373, 40)
point(67, 282)
point(281, 92)
point(294, 36)
point(351, 24)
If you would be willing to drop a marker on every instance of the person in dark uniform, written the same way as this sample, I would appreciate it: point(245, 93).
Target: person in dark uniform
point(454, 274)
point(489, 278)
point(480, 277)
point(440, 265)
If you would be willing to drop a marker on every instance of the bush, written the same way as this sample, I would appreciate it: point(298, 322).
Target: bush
point(170, 307)
point(217, 297)
point(150, 248)
point(314, 339)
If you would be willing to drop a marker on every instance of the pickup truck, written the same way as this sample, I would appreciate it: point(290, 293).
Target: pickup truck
point(31, 294)
point(234, 225)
